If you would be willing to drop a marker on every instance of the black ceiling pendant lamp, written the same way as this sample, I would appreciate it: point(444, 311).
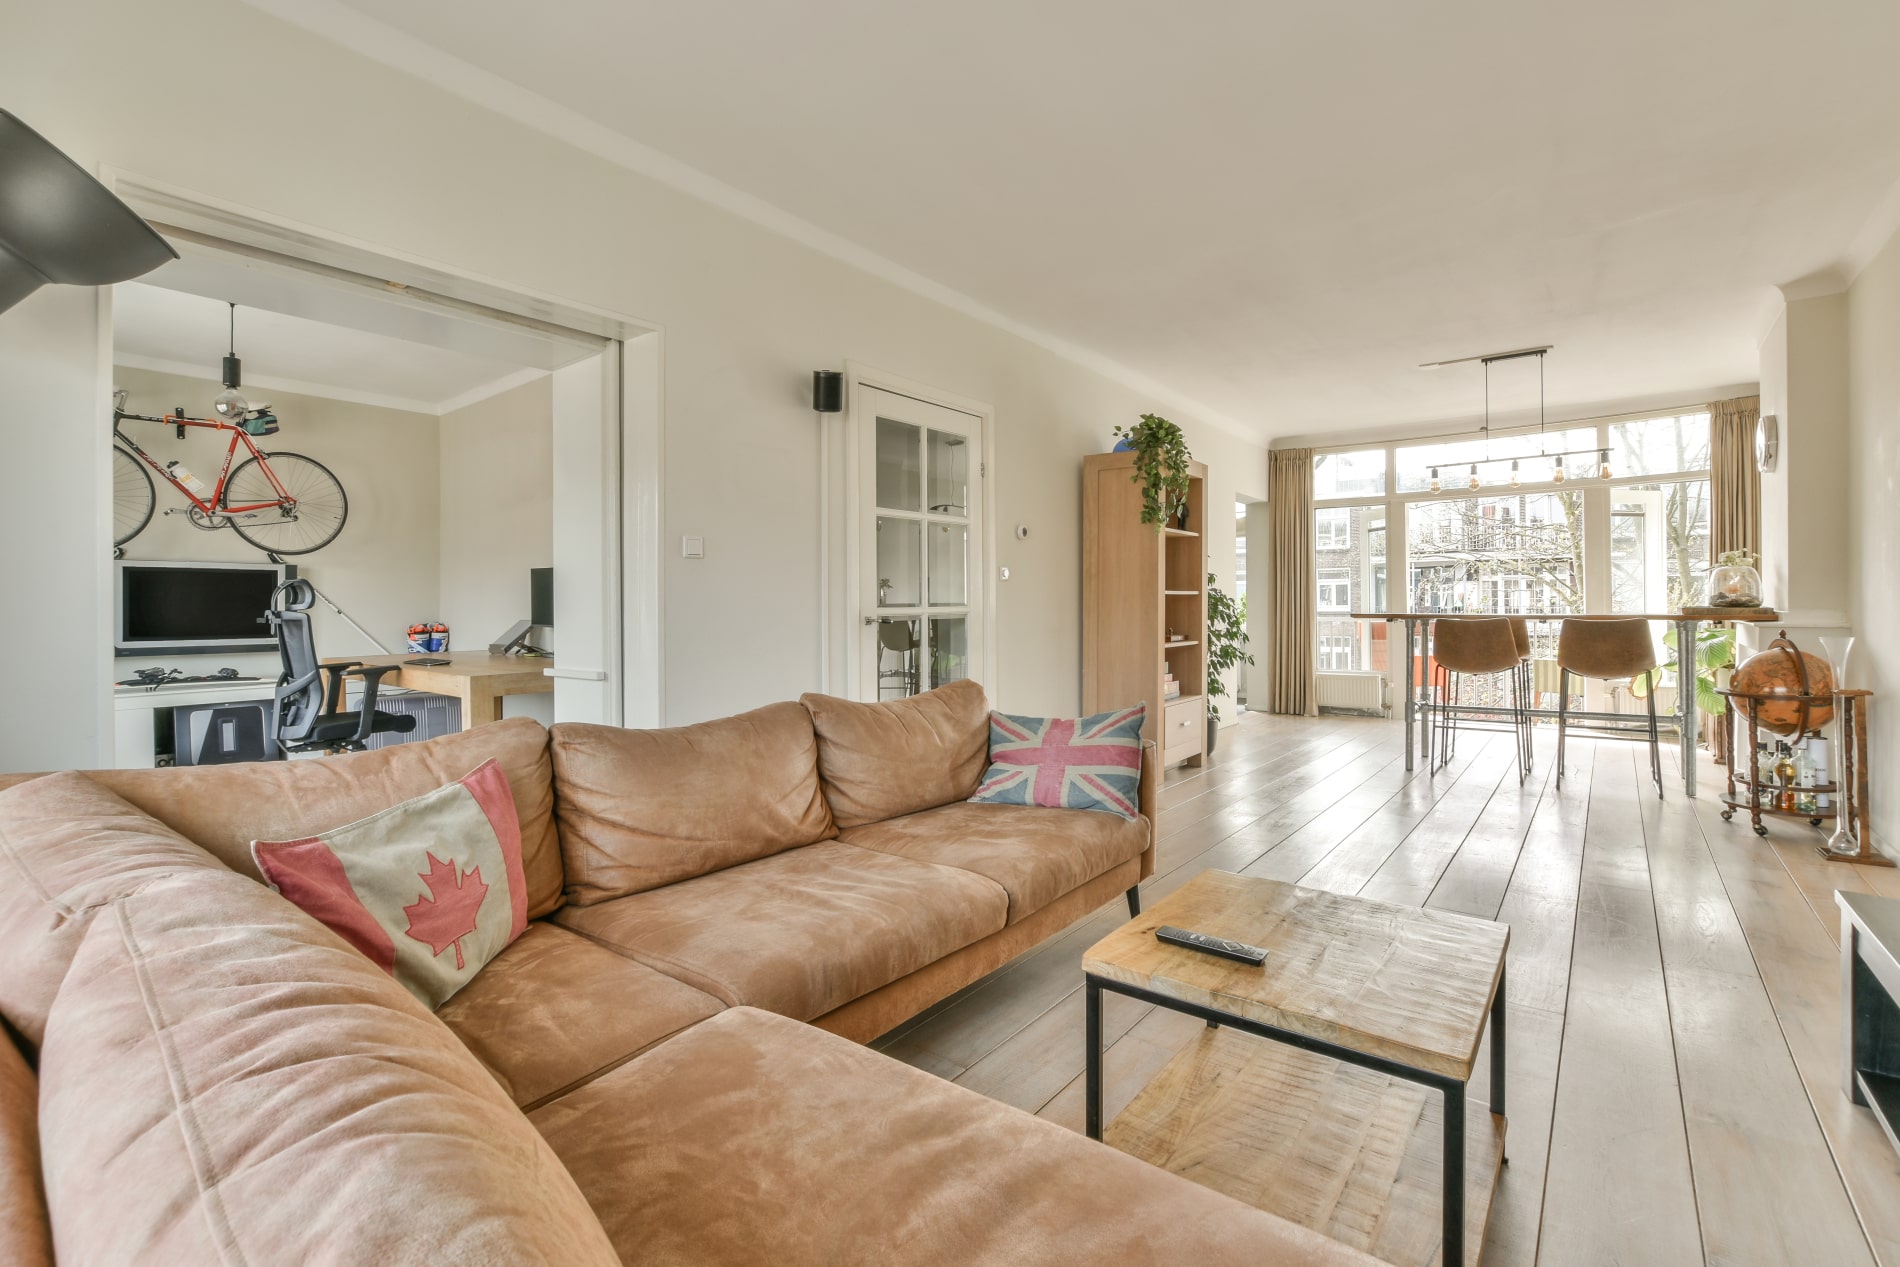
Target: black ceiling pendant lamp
point(60, 226)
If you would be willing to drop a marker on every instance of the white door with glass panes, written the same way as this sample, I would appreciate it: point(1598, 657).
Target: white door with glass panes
point(920, 565)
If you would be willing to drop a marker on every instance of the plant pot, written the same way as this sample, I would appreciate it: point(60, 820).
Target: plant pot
point(1213, 733)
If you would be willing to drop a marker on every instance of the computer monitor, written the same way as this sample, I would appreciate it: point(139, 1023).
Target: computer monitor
point(541, 597)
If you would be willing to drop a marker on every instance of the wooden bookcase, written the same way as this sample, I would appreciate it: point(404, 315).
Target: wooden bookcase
point(1138, 585)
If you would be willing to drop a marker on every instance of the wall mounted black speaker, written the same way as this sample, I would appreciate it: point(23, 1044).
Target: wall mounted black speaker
point(58, 224)
point(827, 391)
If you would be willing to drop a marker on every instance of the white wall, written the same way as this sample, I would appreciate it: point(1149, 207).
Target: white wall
point(1872, 481)
point(382, 570)
point(55, 534)
point(361, 151)
point(497, 522)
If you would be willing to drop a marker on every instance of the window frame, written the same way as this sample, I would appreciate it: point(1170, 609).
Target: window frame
point(1596, 493)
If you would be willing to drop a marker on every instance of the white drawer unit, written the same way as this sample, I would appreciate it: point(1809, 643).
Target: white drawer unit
point(1183, 730)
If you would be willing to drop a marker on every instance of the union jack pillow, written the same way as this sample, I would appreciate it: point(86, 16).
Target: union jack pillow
point(1066, 762)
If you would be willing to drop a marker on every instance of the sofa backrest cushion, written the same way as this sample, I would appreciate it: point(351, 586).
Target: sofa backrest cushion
point(225, 807)
point(67, 847)
point(25, 1238)
point(901, 756)
point(223, 1080)
point(639, 809)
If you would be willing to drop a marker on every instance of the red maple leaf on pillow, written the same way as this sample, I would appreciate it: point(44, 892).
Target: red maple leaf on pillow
point(448, 913)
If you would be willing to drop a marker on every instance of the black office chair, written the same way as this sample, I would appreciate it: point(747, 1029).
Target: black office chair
point(305, 718)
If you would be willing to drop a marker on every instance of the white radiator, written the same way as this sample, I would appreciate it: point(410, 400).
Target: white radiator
point(1353, 692)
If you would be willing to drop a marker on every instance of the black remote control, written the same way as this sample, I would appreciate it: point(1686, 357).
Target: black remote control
point(1239, 951)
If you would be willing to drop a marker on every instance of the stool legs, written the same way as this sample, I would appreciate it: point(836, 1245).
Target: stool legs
point(1563, 718)
point(1655, 749)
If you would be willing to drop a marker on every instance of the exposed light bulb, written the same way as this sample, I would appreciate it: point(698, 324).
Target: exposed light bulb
point(1435, 479)
point(1557, 472)
point(230, 405)
point(1603, 471)
point(1472, 483)
point(1515, 482)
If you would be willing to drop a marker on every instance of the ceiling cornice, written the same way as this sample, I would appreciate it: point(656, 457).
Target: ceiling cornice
point(401, 51)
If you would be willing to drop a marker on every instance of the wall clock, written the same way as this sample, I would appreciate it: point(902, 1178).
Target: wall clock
point(1767, 442)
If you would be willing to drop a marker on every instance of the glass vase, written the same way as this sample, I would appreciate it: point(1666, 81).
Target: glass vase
point(1845, 841)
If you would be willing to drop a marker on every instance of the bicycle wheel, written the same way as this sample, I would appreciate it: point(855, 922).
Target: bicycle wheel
point(132, 497)
point(321, 506)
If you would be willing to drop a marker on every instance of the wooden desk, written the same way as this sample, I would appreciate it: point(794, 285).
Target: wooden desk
point(1685, 623)
point(478, 679)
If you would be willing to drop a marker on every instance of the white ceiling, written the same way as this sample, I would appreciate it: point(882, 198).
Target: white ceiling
point(182, 333)
point(1276, 209)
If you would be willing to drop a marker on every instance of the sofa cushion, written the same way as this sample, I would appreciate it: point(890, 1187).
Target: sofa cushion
point(803, 931)
point(1036, 854)
point(429, 890)
point(751, 1139)
point(25, 1238)
point(1091, 763)
point(881, 760)
point(555, 1009)
point(225, 807)
point(67, 847)
point(639, 809)
point(224, 1080)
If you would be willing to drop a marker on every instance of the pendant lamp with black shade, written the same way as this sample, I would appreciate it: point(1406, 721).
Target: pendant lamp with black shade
point(59, 226)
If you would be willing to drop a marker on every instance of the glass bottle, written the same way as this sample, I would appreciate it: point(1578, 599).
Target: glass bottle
point(1764, 775)
point(1784, 777)
point(1804, 778)
point(1823, 768)
point(1846, 838)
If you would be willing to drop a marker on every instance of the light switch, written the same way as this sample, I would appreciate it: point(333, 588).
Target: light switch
point(692, 547)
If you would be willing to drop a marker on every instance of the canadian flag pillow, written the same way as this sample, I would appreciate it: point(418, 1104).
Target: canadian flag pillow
point(430, 890)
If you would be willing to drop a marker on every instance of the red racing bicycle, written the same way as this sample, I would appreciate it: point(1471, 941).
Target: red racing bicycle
point(282, 503)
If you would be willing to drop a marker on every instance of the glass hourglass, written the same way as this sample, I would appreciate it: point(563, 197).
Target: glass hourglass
point(1846, 838)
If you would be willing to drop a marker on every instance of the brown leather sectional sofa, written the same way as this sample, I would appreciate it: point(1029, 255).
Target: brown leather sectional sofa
point(200, 1073)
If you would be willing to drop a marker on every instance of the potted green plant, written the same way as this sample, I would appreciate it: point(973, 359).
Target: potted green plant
point(1714, 659)
point(1161, 467)
point(1226, 649)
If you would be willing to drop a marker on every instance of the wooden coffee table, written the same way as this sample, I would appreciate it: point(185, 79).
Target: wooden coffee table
point(1371, 1006)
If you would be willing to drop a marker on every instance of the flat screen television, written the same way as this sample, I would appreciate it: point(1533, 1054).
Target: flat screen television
point(193, 608)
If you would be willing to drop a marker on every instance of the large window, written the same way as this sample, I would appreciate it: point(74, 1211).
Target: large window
point(1606, 516)
point(1349, 547)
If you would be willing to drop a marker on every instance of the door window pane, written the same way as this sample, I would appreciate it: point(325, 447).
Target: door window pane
point(1360, 474)
point(949, 649)
point(900, 465)
point(949, 563)
point(1522, 553)
point(1659, 546)
point(1349, 546)
point(899, 559)
point(899, 658)
point(949, 474)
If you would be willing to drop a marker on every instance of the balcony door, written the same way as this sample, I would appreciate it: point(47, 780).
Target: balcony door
point(920, 567)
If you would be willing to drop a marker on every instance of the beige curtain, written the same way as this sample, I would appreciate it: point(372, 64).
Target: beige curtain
point(1294, 590)
point(1734, 480)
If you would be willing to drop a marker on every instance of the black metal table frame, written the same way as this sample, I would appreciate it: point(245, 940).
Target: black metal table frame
point(1453, 1089)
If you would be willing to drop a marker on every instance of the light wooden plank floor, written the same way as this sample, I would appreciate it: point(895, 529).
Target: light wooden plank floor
point(1674, 986)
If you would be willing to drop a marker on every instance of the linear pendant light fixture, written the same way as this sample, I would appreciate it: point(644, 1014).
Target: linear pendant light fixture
point(1558, 472)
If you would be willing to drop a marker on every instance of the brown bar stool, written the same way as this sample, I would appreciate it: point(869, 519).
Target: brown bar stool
point(1521, 635)
point(1482, 645)
point(1606, 649)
